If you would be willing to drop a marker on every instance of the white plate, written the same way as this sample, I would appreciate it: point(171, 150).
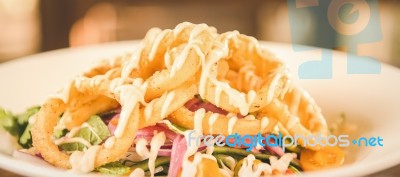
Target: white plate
point(371, 101)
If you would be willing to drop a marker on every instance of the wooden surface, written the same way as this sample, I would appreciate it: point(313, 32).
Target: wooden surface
point(392, 172)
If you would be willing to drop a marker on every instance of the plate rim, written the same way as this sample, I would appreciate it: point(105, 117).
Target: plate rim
point(374, 167)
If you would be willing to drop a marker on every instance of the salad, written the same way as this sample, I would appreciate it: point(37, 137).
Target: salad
point(186, 102)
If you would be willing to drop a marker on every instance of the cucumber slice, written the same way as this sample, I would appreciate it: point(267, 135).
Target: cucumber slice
point(295, 170)
point(144, 164)
point(241, 153)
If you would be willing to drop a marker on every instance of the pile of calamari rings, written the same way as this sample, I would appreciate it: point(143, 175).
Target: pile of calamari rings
point(169, 68)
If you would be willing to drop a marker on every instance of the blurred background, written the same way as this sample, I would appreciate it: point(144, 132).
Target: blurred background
point(32, 26)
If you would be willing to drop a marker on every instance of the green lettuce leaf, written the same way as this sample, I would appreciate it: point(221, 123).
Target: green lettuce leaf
point(9, 123)
point(23, 118)
point(113, 168)
point(18, 125)
point(95, 133)
point(25, 139)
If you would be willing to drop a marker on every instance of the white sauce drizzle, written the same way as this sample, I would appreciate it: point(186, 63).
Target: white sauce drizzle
point(84, 161)
point(198, 120)
point(249, 169)
point(168, 100)
point(189, 168)
point(32, 119)
point(157, 43)
point(282, 164)
point(295, 104)
point(264, 123)
point(218, 92)
point(148, 111)
point(130, 96)
point(109, 142)
point(141, 148)
point(228, 168)
point(138, 172)
point(69, 137)
point(156, 142)
point(231, 124)
point(211, 121)
point(293, 121)
point(272, 87)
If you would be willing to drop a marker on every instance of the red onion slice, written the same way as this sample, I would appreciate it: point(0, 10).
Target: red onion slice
point(178, 150)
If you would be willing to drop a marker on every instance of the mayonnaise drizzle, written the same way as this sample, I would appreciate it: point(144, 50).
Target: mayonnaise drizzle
point(218, 92)
point(189, 168)
point(148, 110)
point(231, 124)
point(138, 172)
point(130, 96)
point(69, 137)
point(229, 168)
point(272, 86)
point(157, 43)
point(282, 164)
point(168, 100)
point(32, 119)
point(180, 60)
point(264, 123)
point(84, 161)
point(141, 148)
point(249, 169)
point(292, 122)
point(134, 61)
point(296, 100)
point(109, 142)
point(156, 142)
point(198, 120)
point(237, 99)
point(211, 121)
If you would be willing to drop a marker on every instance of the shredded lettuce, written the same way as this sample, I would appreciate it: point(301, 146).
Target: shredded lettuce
point(9, 123)
point(58, 133)
point(95, 133)
point(18, 125)
point(26, 139)
point(175, 128)
point(120, 168)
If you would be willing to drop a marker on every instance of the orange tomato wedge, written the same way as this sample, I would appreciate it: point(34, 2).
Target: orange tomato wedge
point(114, 121)
point(206, 168)
point(326, 157)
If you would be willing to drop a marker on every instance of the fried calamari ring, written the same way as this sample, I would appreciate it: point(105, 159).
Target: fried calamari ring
point(106, 65)
point(301, 104)
point(240, 52)
point(157, 109)
point(290, 122)
point(75, 117)
point(80, 105)
point(43, 131)
point(187, 44)
point(169, 67)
